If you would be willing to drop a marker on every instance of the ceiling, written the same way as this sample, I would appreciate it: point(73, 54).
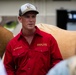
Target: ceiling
point(38, 0)
point(63, 0)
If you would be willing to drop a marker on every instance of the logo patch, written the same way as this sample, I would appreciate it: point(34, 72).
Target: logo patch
point(18, 48)
point(42, 44)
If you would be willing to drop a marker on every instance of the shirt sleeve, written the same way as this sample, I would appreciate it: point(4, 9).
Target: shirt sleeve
point(55, 53)
point(8, 61)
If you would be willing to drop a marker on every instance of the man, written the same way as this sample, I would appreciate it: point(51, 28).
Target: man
point(32, 51)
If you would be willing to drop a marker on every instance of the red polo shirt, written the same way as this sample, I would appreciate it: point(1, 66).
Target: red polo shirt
point(34, 59)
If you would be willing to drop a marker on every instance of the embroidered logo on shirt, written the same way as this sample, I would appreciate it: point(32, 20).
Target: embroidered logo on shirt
point(18, 48)
point(42, 44)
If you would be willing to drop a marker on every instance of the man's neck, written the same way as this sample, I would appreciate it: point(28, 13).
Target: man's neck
point(28, 33)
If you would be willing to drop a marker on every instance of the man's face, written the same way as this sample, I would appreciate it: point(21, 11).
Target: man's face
point(28, 20)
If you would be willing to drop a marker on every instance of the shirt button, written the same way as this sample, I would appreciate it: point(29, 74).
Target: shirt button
point(18, 54)
point(29, 68)
point(29, 48)
point(29, 58)
point(41, 50)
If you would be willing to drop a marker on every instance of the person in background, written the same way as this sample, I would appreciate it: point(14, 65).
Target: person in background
point(2, 68)
point(65, 67)
point(32, 51)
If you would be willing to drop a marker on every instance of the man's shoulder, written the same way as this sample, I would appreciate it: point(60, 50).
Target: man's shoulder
point(47, 35)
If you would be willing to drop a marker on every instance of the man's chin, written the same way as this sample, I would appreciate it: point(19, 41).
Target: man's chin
point(31, 28)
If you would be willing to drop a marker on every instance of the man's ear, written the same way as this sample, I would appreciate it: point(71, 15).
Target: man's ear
point(19, 18)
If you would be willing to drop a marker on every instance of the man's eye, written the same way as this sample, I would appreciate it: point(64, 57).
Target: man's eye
point(33, 16)
point(27, 16)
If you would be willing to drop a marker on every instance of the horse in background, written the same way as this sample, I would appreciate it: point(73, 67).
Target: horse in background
point(5, 37)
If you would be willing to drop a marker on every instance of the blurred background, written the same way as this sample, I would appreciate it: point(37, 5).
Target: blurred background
point(61, 13)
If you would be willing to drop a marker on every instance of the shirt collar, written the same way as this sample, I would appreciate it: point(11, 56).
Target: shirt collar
point(37, 32)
